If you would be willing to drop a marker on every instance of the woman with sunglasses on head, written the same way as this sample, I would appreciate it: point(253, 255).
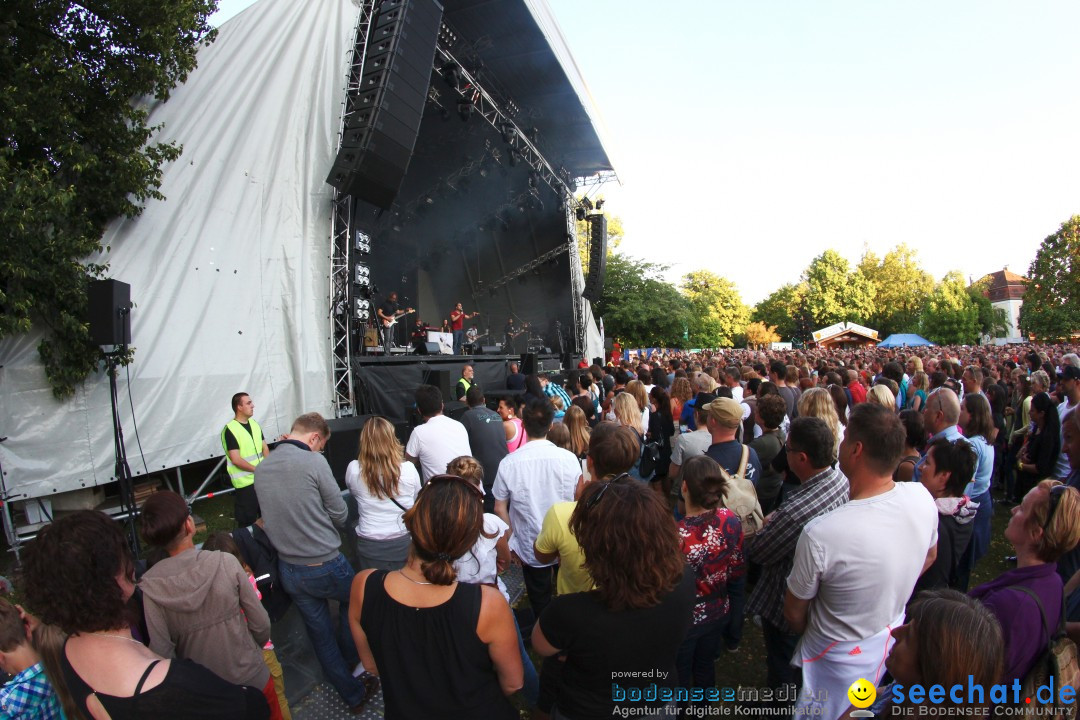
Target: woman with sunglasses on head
point(627, 631)
point(1043, 527)
point(443, 649)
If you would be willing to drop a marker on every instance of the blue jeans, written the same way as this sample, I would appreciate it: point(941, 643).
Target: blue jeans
point(736, 590)
point(980, 539)
point(779, 649)
point(696, 658)
point(459, 339)
point(310, 587)
point(530, 690)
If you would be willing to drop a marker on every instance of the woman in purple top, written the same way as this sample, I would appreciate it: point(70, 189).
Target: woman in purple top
point(1042, 528)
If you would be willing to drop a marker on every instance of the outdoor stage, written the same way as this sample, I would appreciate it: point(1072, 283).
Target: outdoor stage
point(385, 385)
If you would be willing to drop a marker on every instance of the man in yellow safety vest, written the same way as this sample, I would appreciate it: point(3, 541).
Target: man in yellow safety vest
point(242, 439)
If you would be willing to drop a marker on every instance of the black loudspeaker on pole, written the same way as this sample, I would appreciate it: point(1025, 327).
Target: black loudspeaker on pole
point(594, 281)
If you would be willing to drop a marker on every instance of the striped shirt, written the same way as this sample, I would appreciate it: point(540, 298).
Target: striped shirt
point(773, 546)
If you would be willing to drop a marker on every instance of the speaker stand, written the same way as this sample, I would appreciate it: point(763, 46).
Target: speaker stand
point(121, 470)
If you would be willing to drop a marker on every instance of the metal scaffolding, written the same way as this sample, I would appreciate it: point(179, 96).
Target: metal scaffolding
point(341, 309)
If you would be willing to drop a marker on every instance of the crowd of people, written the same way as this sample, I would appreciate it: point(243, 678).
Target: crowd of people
point(841, 500)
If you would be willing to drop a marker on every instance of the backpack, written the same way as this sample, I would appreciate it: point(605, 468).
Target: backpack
point(1058, 661)
point(741, 497)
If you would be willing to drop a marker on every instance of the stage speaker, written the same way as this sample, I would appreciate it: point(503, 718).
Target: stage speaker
point(109, 312)
point(442, 380)
point(385, 104)
point(491, 349)
point(594, 282)
point(528, 364)
point(422, 347)
point(454, 409)
point(344, 443)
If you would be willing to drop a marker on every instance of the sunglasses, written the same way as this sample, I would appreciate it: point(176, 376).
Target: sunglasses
point(596, 498)
point(1055, 499)
point(440, 479)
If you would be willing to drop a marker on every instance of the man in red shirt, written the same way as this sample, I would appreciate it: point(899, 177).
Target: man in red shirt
point(457, 326)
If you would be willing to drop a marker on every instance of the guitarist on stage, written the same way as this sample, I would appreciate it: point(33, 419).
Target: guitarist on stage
point(388, 314)
point(457, 326)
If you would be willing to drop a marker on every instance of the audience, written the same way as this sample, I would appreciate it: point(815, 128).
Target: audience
point(946, 471)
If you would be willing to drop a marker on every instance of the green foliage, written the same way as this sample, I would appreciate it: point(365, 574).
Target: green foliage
point(718, 314)
point(835, 293)
point(993, 322)
point(76, 151)
point(783, 311)
point(951, 316)
point(639, 307)
point(759, 335)
point(900, 286)
point(1051, 309)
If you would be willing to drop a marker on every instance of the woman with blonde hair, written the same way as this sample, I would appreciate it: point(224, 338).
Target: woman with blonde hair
point(881, 395)
point(680, 393)
point(920, 388)
point(627, 415)
point(384, 485)
point(817, 402)
point(637, 390)
point(578, 426)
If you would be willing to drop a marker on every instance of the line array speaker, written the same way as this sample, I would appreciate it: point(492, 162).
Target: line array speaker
point(594, 283)
point(385, 104)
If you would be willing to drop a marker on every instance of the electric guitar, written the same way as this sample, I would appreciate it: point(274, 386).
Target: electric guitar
point(397, 316)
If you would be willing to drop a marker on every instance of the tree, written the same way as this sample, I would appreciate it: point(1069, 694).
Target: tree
point(950, 316)
point(1051, 309)
point(993, 322)
point(717, 310)
point(639, 307)
point(76, 152)
point(782, 310)
point(835, 293)
point(758, 334)
point(901, 288)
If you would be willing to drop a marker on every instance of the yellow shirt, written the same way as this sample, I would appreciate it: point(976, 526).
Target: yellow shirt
point(555, 536)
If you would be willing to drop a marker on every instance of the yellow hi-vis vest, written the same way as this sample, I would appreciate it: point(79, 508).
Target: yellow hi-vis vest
point(250, 443)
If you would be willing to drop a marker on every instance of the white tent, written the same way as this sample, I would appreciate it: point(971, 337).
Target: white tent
point(230, 273)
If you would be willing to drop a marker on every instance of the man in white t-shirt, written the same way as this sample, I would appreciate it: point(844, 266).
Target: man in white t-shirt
point(529, 482)
point(1069, 384)
point(855, 567)
point(439, 440)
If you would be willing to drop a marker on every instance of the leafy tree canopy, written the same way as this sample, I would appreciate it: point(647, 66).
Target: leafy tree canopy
point(75, 150)
point(782, 311)
point(950, 316)
point(759, 335)
point(900, 289)
point(718, 314)
point(1051, 309)
point(639, 307)
point(835, 293)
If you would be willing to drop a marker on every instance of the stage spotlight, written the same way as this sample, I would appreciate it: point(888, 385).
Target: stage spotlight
point(451, 74)
point(587, 203)
point(363, 275)
point(599, 204)
point(464, 110)
point(579, 213)
point(534, 134)
point(513, 157)
point(363, 310)
point(508, 132)
point(363, 243)
point(534, 178)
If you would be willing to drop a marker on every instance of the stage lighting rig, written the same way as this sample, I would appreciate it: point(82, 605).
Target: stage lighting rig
point(363, 243)
point(363, 310)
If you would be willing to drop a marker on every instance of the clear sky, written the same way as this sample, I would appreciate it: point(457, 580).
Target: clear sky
point(751, 135)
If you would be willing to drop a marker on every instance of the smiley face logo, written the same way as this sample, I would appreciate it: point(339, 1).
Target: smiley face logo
point(862, 693)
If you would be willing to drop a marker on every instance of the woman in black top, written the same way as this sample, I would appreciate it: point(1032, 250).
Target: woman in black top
point(443, 649)
point(78, 575)
point(1040, 453)
point(661, 430)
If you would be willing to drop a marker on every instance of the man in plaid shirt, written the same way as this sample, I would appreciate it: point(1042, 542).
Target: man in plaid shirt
point(822, 488)
point(28, 695)
point(553, 390)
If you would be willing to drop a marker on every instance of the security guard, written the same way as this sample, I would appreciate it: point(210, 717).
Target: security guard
point(465, 382)
point(242, 439)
